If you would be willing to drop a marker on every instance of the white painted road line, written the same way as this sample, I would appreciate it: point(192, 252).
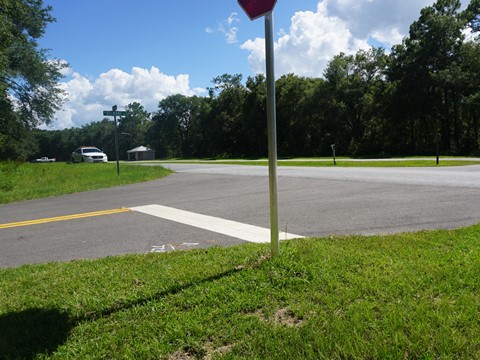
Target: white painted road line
point(234, 229)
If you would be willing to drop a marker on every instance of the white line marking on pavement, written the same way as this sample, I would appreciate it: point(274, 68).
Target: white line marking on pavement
point(234, 229)
point(163, 248)
point(159, 249)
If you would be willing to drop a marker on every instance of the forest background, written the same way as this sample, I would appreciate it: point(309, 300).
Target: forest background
point(372, 103)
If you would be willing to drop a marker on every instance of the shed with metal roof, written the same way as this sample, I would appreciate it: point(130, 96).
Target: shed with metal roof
point(141, 153)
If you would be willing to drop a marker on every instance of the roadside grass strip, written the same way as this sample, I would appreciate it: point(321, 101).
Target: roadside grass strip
point(403, 296)
point(24, 181)
point(234, 229)
point(63, 218)
point(340, 162)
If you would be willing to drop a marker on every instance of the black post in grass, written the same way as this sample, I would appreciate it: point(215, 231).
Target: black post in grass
point(437, 140)
point(333, 153)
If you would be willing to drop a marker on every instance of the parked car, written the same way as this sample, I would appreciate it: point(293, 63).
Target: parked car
point(43, 160)
point(89, 154)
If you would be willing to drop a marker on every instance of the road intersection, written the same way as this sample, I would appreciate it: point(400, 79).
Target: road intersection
point(312, 202)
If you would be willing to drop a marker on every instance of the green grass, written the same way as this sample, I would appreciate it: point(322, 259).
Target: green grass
point(347, 163)
point(341, 162)
point(24, 181)
point(414, 296)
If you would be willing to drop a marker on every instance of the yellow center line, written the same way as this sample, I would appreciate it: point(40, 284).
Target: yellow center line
point(64, 218)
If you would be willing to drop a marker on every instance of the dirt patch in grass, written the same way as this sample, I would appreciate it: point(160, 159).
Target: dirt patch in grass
point(281, 317)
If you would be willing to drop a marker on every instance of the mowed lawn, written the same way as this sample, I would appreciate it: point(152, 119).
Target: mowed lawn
point(406, 296)
point(339, 162)
point(25, 181)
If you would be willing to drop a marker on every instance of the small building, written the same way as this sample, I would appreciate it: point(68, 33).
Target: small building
point(141, 153)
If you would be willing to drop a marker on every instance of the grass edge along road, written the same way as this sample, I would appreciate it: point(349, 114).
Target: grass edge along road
point(412, 295)
point(24, 181)
point(340, 162)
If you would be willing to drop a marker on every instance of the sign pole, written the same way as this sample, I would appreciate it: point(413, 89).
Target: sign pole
point(254, 10)
point(272, 133)
point(114, 108)
point(115, 113)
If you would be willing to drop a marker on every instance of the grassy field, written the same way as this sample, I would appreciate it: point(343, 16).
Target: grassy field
point(407, 296)
point(24, 181)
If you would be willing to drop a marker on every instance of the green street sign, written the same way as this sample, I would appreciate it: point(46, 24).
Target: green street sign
point(114, 113)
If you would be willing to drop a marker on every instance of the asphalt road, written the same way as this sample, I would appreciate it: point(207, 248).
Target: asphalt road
point(312, 202)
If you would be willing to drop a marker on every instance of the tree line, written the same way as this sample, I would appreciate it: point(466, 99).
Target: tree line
point(371, 103)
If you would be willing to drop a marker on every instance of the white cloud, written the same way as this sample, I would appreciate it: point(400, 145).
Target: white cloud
point(365, 17)
point(87, 98)
point(336, 26)
point(311, 42)
point(470, 35)
point(227, 27)
point(389, 37)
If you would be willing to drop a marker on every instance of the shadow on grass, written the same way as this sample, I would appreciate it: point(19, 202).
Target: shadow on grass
point(26, 334)
point(155, 297)
point(29, 333)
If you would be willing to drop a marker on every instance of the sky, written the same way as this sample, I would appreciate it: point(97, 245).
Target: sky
point(126, 51)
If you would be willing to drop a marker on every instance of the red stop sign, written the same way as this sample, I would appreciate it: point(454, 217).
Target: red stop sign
point(257, 8)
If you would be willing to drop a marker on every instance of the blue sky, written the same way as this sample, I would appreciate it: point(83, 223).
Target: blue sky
point(125, 51)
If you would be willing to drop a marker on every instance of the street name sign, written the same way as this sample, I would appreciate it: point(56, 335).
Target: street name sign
point(257, 8)
point(114, 113)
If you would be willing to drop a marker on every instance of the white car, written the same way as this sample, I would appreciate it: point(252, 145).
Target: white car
point(89, 154)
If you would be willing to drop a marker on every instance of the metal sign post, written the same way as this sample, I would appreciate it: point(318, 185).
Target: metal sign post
point(114, 108)
point(255, 9)
point(115, 113)
point(272, 133)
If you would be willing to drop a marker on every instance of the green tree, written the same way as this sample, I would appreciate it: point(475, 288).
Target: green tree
point(60, 143)
point(224, 82)
point(175, 125)
point(471, 15)
point(294, 137)
point(471, 104)
point(254, 125)
point(134, 125)
point(27, 77)
point(430, 83)
point(224, 126)
point(321, 128)
point(352, 80)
